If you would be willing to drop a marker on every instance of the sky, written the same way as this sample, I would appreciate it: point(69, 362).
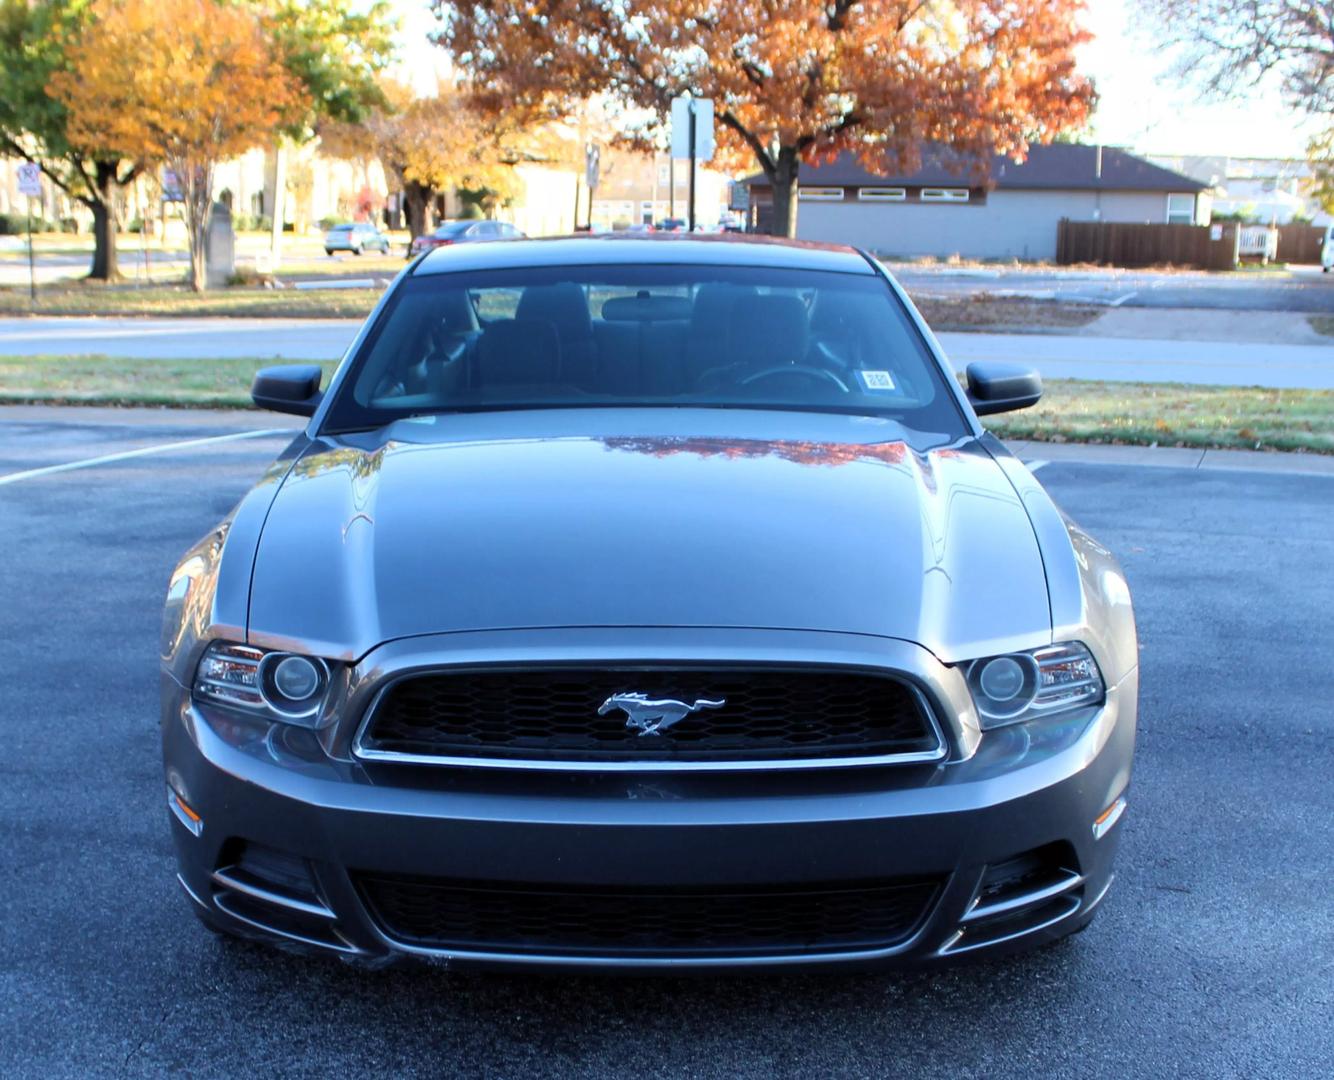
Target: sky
point(1141, 106)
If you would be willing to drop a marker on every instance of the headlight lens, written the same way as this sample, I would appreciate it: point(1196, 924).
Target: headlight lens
point(1024, 686)
point(284, 686)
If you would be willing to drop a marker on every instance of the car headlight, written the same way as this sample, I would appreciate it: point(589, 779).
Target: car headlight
point(284, 686)
point(1022, 686)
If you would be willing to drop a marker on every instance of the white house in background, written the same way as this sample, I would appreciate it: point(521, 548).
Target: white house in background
point(1272, 191)
point(1011, 213)
point(317, 187)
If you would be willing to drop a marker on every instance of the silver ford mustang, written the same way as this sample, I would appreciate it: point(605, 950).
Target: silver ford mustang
point(651, 603)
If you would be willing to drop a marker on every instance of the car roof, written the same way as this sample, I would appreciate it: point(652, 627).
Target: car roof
point(603, 249)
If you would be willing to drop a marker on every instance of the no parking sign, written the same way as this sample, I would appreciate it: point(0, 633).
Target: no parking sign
point(30, 180)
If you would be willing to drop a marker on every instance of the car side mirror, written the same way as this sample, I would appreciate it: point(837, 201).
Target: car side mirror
point(288, 388)
point(998, 388)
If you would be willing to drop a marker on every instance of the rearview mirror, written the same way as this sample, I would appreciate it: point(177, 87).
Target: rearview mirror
point(288, 388)
point(998, 388)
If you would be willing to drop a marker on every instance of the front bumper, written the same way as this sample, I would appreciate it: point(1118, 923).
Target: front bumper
point(1024, 789)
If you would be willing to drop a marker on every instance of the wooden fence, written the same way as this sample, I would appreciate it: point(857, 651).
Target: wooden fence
point(1110, 243)
point(1300, 243)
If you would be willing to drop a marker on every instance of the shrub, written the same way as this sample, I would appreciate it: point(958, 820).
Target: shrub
point(248, 275)
point(17, 224)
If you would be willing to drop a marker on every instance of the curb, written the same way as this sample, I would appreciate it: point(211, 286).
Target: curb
point(1038, 454)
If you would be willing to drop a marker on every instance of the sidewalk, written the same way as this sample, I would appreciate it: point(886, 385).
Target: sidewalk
point(1199, 324)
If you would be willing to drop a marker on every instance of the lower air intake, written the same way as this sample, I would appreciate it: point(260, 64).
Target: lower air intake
point(532, 919)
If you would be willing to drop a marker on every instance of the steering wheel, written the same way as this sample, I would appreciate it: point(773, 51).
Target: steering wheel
point(803, 370)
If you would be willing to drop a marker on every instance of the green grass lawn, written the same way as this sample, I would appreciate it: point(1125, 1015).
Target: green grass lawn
point(254, 302)
point(1173, 414)
point(105, 380)
point(1166, 414)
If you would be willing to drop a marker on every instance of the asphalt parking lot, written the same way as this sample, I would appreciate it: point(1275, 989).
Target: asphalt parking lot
point(1213, 956)
point(1299, 288)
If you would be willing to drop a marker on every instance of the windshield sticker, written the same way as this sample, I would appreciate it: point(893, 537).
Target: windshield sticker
point(877, 380)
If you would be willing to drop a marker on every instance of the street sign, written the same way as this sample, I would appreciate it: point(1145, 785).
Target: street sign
point(682, 107)
point(692, 137)
point(30, 180)
point(592, 161)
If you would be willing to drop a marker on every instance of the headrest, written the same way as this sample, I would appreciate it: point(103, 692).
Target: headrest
point(842, 311)
point(510, 352)
point(562, 304)
point(712, 311)
point(768, 330)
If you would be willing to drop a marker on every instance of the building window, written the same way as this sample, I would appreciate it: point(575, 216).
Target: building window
point(1181, 209)
point(664, 173)
point(945, 194)
point(820, 194)
point(882, 194)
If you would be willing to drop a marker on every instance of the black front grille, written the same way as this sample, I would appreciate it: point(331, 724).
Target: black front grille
point(553, 715)
point(484, 916)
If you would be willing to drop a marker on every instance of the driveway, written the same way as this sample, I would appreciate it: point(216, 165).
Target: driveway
point(1302, 288)
point(1213, 957)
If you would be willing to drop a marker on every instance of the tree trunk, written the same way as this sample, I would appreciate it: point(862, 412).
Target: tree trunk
point(105, 264)
point(416, 197)
point(196, 182)
point(784, 182)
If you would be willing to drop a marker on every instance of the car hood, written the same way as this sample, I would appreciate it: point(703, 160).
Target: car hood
point(661, 518)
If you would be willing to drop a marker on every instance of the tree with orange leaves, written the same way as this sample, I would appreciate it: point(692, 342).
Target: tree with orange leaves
point(187, 83)
point(796, 80)
point(453, 140)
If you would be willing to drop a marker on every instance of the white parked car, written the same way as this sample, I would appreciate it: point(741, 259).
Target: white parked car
point(1327, 249)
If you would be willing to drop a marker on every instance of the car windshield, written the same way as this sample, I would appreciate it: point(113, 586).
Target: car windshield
point(452, 228)
point(341, 228)
point(667, 335)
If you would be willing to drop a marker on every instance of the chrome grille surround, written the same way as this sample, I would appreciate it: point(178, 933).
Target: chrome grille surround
point(937, 686)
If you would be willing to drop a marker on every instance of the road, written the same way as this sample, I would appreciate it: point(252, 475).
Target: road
point(1213, 957)
point(172, 338)
point(172, 264)
point(1055, 356)
point(1303, 288)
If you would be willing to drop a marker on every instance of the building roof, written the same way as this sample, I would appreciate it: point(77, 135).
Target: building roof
point(1060, 166)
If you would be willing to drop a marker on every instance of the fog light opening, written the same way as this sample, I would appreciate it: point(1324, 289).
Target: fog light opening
point(1103, 823)
point(185, 813)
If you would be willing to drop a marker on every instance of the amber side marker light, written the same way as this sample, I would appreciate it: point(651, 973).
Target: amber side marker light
point(1109, 817)
point(184, 812)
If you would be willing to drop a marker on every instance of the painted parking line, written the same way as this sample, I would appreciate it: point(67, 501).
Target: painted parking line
point(143, 451)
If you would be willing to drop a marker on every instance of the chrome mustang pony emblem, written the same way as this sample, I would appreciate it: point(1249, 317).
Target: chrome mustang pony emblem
point(649, 715)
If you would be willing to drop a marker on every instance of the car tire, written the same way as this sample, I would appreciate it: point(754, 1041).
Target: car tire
point(356, 251)
point(329, 252)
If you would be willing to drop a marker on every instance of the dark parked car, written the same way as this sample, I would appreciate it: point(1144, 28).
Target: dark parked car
point(464, 232)
point(356, 238)
point(647, 604)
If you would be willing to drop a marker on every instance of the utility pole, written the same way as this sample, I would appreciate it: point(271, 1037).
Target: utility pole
point(32, 265)
point(30, 184)
point(690, 182)
point(279, 209)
